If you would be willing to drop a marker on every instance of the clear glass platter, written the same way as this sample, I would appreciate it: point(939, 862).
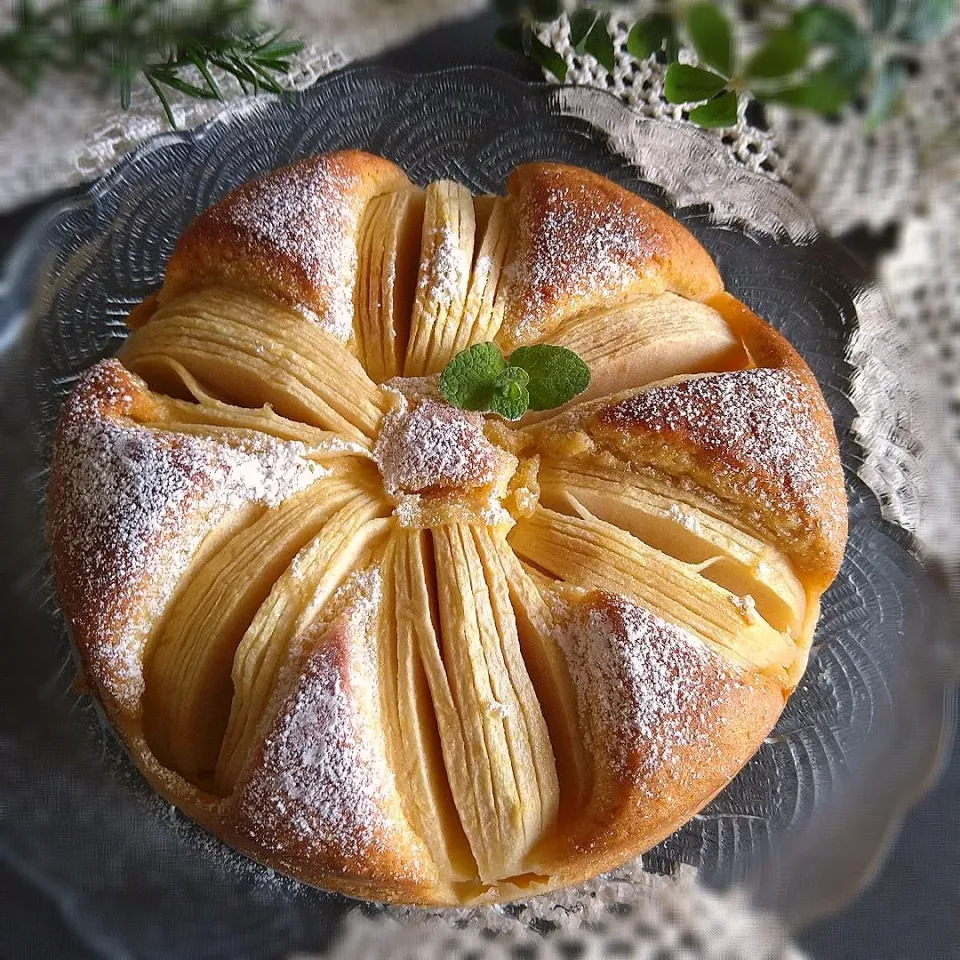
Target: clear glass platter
point(808, 816)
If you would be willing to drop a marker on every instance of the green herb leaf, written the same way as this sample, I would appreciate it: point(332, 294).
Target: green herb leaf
point(823, 23)
point(827, 26)
point(719, 112)
point(824, 92)
point(511, 398)
point(929, 20)
point(784, 52)
point(599, 44)
point(557, 374)
point(548, 58)
point(886, 95)
point(648, 35)
point(582, 21)
point(881, 13)
point(686, 84)
point(711, 36)
point(511, 406)
point(468, 379)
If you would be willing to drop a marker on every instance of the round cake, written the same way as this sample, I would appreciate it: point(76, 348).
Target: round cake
point(419, 653)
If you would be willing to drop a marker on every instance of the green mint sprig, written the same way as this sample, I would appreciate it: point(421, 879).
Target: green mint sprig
point(539, 377)
point(812, 56)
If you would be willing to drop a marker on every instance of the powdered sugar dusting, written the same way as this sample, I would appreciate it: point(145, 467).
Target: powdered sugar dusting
point(652, 688)
point(131, 505)
point(686, 518)
point(447, 267)
point(756, 427)
point(432, 445)
point(322, 787)
point(575, 240)
point(305, 213)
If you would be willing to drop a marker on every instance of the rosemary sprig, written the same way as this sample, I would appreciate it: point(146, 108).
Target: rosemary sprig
point(173, 45)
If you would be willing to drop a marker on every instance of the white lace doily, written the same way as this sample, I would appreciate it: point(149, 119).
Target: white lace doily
point(656, 919)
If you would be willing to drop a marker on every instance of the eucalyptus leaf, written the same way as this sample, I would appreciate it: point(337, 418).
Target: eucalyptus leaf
point(599, 44)
point(881, 13)
point(719, 112)
point(686, 84)
point(711, 36)
point(824, 92)
point(886, 94)
point(582, 21)
point(928, 20)
point(548, 58)
point(648, 35)
point(784, 52)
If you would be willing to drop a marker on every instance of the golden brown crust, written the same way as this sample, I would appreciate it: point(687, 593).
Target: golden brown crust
point(291, 235)
point(668, 724)
point(654, 705)
point(759, 438)
point(317, 796)
point(583, 242)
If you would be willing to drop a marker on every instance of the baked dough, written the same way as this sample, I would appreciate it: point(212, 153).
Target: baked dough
point(413, 653)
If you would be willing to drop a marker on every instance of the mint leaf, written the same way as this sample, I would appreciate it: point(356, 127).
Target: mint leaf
point(827, 24)
point(511, 398)
point(784, 52)
point(468, 379)
point(719, 112)
point(556, 374)
point(710, 33)
point(648, 35)
point(685, 84)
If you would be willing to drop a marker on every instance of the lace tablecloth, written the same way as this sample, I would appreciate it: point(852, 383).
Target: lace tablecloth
point(848, 181)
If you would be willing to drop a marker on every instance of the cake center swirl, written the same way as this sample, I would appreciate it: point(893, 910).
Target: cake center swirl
point(439, 464)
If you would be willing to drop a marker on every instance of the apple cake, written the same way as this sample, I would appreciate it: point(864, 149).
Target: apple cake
point(419, 653)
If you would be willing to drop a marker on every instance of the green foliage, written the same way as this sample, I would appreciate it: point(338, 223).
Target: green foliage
point(556, 374)
point(468, 379)
point(162, 40)
point(814, 57)
point(539, 377)
point(719, 112)
point(711, 37)
point(686, 84)
point(652, 34)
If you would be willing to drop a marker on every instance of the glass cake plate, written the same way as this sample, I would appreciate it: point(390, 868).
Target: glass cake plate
point(808, 817)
